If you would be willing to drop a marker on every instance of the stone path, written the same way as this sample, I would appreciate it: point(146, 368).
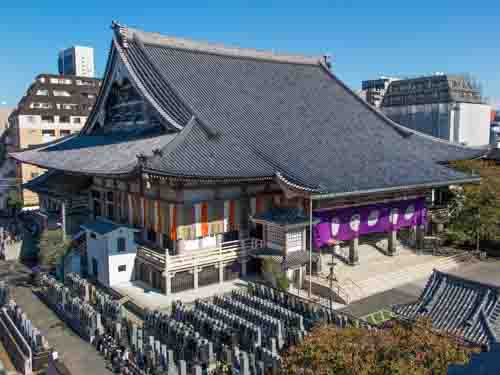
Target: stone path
point(78, 355)
point(485, 271)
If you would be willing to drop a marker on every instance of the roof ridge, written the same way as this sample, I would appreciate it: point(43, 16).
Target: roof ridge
point(161, 40)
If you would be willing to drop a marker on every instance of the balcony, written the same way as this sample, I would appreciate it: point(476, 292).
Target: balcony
point(224, 253)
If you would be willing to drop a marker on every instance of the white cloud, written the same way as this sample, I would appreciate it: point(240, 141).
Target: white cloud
point(3, 103)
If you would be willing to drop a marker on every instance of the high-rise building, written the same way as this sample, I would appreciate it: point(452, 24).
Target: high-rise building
point(373, 90)
point(54, 106)
point(445, 106)
point(77, 61)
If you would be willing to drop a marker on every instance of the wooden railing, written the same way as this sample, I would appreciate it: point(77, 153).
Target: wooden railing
point(226, 252)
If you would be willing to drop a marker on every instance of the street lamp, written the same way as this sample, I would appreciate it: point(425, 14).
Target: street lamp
point(332, 243)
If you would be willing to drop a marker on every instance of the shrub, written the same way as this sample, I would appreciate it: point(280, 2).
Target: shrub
point(398, 349)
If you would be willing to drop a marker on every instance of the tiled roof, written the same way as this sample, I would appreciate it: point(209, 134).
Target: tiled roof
point(284, 216)
point(104, 227)
point(57, 182)
point(250, 114)
point(462, 307)
point(94, 154)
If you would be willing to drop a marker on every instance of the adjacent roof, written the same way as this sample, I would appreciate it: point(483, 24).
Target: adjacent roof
point(59, 183)
point(462, 307)
point(493, 154)
point(95, 154)
point(244, 114)
point(103, 227)
point(285, 216)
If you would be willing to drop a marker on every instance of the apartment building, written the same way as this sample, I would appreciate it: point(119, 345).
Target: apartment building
point(54, 106)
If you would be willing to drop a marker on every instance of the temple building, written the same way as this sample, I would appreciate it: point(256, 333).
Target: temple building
point(199, 163)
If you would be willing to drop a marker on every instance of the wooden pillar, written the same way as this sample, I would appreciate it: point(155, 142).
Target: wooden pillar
point(244, 267)
point(168, 283)
point(354, 251)
point(420, 232)
point(195, 276)
point(221, 273)
point(392, 243)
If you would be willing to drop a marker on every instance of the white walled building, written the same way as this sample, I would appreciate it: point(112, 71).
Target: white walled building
point(443, 106)
point(111, 252)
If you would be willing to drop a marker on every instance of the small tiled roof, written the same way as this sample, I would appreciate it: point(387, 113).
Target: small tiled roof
point(284, 216)
point(462, 307)
point(104, 227)
point(245, 114)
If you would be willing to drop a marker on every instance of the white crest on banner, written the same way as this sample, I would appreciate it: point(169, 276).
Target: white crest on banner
point(410, 211)
point(373, 217)
point(394, 216)
point(335, 226)
point(355, 221)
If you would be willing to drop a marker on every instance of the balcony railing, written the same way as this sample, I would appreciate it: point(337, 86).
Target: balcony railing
point(226, 252)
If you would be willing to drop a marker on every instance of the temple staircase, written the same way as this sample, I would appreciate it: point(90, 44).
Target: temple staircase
point(360, 281)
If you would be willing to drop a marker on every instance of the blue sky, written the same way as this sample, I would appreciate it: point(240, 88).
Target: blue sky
point(365, 38)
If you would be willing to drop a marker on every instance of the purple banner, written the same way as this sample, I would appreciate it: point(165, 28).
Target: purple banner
point(347, 223)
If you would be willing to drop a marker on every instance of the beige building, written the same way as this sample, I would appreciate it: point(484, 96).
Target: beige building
point(53, 107)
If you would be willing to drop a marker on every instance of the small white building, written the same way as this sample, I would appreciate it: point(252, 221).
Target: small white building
point(111, 251)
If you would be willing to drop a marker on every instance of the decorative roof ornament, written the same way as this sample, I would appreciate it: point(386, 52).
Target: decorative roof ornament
point(122, 33)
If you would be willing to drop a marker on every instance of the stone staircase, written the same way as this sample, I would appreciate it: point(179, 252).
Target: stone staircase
point(356, 287)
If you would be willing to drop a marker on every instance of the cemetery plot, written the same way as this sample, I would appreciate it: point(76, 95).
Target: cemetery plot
point(27, 347)
point(246, 330)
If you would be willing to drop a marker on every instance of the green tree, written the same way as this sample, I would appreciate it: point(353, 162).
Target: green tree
point(14, 201)
point(406, 349)
point(475, 209)
point(52, 248)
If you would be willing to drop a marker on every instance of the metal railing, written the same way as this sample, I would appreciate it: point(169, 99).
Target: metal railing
point(224, 253)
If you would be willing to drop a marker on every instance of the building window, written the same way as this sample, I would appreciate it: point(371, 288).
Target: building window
point(42, 92)
point(93, 236)
point(97, 209)
point(122, 268)
point(121, 244)
point(49, 119)
point(61, 93)
point(64, 132)
point(48, 132)
point(64, 119)
point(77, 120)
point(70, 106)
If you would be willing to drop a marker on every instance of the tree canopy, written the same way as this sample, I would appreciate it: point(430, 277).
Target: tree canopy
point(401, 348)
point(52, 247)
point(475, 209)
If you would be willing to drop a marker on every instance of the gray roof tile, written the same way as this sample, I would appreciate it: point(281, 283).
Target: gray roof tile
point(462, 307)
point(250, 114)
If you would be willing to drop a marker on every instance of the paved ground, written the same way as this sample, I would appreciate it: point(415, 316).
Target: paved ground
point(78, 355)
point(486, 272)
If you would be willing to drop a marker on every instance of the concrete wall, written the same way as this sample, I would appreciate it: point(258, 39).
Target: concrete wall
point(474, 124)
point(104, 249)
point(126, 258)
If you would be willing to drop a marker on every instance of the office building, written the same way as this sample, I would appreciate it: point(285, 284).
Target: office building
point(373, 90)
point(443, 106)
point(77, 61)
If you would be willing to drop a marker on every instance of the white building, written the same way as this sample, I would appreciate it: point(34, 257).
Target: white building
point(443, 106)
point(111, 251)
point(77, 61)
